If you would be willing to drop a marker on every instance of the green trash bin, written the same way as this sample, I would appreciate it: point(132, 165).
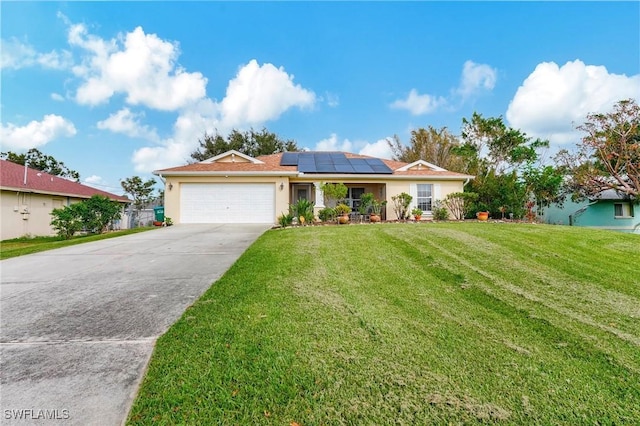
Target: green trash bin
point(159, 213)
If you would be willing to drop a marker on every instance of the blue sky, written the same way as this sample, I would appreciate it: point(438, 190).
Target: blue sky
point(116, 89)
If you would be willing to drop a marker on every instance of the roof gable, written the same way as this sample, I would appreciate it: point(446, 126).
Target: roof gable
point(420, 165)
point(232, 156)
point(16, 177)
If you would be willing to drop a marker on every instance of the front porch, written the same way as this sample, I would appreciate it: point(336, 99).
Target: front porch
point(312, 191)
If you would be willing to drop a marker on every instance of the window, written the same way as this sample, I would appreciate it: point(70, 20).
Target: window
point(424, 197)
point(622, 210)
point(353, 197)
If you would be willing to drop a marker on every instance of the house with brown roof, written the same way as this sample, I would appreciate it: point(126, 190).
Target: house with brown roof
point(235, 188)
point(27, 197)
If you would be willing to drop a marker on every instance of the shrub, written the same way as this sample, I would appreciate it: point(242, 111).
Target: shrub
point(439, 211)
point(401, 205)
point(327, 214)
point(303, 208)
point(460, 203)
point(342, 209)
point(285, 219)
point(67, 220)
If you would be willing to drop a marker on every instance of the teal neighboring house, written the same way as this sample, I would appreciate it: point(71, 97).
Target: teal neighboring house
point(609, 210)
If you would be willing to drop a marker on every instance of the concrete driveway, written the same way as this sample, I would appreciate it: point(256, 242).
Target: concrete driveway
point(78, 324)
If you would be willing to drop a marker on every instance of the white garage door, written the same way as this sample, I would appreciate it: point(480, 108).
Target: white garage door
point(227, 203)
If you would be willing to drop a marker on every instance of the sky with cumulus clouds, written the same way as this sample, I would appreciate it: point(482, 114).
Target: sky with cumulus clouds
point(116, 89)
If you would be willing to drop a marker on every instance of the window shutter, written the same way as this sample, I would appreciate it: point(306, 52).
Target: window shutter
point(437, 192)
point(413, 191)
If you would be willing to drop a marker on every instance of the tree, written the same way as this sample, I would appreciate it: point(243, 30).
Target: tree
point(496, 146)
point(98, 213)
point(333, 193)
point(39, 161)
point(250, 142)
point(141, 192)
point(608, 156)
point(544, 185)
point(496, 154)
point(437, 146)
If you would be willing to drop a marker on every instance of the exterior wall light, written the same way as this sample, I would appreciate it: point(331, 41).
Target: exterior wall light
point(170, 186)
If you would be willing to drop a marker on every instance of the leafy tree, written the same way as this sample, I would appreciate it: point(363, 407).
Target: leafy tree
point(608, 156)
point(496, 154)
point(544, 185)
point(437, 146)
point(334, 192)
point(39, 161)
point(141, 193)
point(249, 142)
point(496, 147)
point(98, 213)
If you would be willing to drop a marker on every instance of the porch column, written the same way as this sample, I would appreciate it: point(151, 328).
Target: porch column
point(319, 195)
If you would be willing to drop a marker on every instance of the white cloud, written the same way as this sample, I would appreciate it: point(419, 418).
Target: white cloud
point(140, 65)
point(475, 78)
point(333, 144)
point(126, 122)
point(57, 97)
point(15, 54)
point(171, 153)
point(260, 93)
point(553, 100)
point(419, 104)
point(35, 133)
point(93, 179)
point(332, 99)
point(378, 149)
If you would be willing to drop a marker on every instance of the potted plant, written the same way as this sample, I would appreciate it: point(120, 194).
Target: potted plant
point(417, 213)
point(342, 212)
point(376, 208)
point(482, 216)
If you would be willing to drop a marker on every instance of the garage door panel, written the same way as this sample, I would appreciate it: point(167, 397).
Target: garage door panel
point(227, 203)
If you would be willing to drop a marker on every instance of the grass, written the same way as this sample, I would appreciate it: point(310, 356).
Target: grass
point(409, 324)
point(25, 245)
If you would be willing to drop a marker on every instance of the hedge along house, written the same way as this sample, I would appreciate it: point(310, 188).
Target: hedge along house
point(27, 197)
point(235, 188)
point(610, 210)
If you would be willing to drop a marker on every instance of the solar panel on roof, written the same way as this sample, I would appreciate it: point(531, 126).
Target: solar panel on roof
point(378, 166)
point(306, 163)
point(325, 168)
point(322, 158)
point(344, 168)
point(289, 159)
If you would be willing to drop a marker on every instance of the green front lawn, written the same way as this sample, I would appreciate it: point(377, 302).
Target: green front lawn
point(409, 324)
point(22, 246)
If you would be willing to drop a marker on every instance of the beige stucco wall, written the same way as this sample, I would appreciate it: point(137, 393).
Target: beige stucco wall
point(382, 189)
point(441, 190)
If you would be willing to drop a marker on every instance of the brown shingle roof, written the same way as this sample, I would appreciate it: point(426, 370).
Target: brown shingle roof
point(271, 164)
point(12, 178)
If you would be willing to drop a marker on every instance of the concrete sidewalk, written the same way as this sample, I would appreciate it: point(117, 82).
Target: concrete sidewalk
point(78, 324)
